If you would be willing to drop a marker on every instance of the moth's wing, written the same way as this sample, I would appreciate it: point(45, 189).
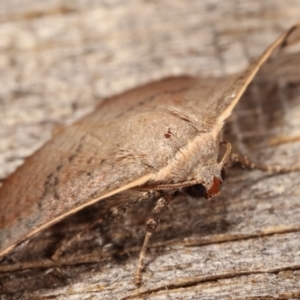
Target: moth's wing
point(121, 145)
point(232, 94)
point(103, 154)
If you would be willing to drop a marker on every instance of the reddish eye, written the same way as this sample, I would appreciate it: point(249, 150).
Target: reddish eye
point(196, 191)
point(199, 190)
point(214, 189)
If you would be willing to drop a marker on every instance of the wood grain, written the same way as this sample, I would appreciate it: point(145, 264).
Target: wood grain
point(56, 62)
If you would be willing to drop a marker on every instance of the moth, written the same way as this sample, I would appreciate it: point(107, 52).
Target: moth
point(155, 142)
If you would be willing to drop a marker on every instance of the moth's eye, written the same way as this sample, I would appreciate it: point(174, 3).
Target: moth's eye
point(214, 189)
point(223, 174)
point(196, 191)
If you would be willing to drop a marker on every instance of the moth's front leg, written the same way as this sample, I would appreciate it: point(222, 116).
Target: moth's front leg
point(246, 163)
point(151, 225)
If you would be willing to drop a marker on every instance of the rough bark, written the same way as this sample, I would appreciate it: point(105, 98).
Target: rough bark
point(58, 60)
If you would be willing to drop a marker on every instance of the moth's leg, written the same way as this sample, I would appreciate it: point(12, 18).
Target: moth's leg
point(112, 214)
point(246, 163)
point(68, 243)
point(150, 228)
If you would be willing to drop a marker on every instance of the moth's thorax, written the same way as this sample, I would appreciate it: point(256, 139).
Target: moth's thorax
point(196, 161)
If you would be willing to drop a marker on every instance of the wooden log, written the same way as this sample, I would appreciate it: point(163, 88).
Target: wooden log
point(57, 62)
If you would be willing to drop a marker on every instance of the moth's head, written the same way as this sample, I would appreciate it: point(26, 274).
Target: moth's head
point(203, 191)
point(210, 177)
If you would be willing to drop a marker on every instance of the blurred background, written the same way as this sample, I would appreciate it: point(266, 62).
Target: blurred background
point(58, 58)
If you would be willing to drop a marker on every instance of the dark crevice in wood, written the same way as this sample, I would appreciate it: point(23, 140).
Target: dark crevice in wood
point(97, 256)
point(239, 237)
point(208, 279)
point(195, 282)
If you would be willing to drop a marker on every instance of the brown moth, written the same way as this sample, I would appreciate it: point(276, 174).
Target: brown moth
point(156, 141)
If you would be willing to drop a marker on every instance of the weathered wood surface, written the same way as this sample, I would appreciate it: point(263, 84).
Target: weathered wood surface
point(58, 61)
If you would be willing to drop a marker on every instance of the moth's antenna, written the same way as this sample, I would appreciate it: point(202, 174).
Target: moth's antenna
point(234, 92)
point(226, 154)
